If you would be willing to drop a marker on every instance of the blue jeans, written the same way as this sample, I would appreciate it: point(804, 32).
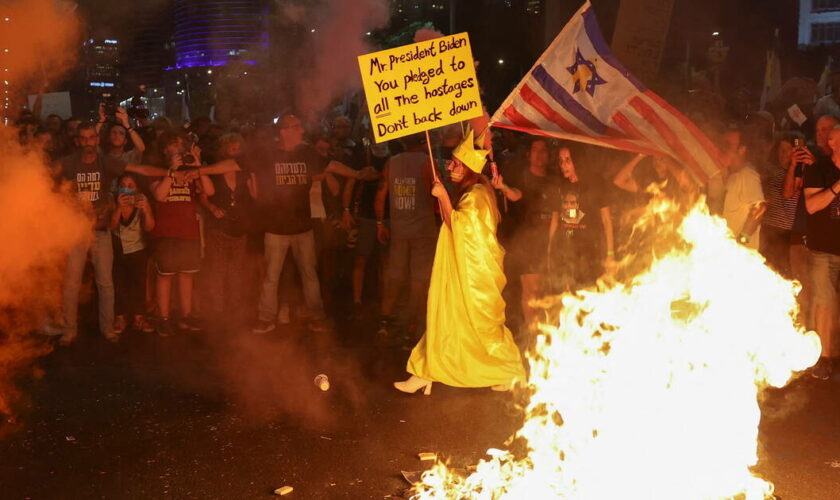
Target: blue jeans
point(825, 274)
point(102, 255)
point(303, 251)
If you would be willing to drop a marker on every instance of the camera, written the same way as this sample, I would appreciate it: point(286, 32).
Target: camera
point(137, 109)
point(132, 194)
point(109, 106)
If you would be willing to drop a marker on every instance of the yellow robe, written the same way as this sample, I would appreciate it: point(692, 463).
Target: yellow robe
point(466, 343)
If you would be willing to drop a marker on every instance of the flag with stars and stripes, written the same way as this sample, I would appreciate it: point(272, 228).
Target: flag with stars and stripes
point(578, 90)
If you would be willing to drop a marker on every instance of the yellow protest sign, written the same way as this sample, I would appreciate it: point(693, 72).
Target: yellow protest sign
point(420, 86)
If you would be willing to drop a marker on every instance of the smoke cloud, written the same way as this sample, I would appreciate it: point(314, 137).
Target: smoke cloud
point(39, 224)
point(42, 37)
point(331, 50)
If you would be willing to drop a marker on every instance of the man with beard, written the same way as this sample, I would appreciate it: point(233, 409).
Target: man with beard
point(466, 343)
point(92, 174)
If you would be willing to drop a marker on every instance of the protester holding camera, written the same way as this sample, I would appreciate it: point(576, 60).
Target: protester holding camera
point(92, 175)
point(177, 249)
point(130, 222)
point(118, 134)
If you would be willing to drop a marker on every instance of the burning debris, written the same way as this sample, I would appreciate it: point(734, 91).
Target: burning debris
point(652, 383)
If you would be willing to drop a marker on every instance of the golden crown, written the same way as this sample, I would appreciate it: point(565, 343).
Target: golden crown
point(474, 158)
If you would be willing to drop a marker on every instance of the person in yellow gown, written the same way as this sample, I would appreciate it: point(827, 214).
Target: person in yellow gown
point(466, 343)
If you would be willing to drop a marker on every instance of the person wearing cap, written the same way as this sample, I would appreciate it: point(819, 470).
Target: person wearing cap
point(466, 343)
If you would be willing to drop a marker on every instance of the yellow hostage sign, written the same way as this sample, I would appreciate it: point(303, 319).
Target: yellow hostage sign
point(421, 86)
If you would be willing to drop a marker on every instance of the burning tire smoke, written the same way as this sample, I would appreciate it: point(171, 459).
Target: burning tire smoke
point(39, 224)
point(649, 388)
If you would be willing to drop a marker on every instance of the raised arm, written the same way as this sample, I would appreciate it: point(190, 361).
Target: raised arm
point(793, 182)
point(624, 178)
point(817, 199)
point(122, 116)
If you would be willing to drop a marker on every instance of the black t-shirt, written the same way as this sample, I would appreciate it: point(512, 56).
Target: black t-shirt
point(823, 228)
point(366, 197)
point(94, 182)
point(580, 230)
point(283, 185)
point(577, 248)
point(539, 199)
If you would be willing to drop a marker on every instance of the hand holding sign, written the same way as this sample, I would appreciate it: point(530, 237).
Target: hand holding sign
point(420, 86)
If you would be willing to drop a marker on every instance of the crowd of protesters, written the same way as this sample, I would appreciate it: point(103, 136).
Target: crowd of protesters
point(209, 212)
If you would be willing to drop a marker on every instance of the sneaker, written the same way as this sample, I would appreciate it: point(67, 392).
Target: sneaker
point(189, 323)
point(53, 330)
point(119, 325)
point(284, 314)
point(822, 370)
point(263, 327)
point(384, 327)
point(67, 338)
point(146, 326)
point(164, 327)
point(319, 326)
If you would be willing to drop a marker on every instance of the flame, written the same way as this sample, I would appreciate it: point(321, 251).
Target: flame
point(649, 388)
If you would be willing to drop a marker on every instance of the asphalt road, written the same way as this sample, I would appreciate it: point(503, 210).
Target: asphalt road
point(227, 414)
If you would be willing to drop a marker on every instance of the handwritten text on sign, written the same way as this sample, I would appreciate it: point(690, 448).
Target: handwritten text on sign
point(421, 86)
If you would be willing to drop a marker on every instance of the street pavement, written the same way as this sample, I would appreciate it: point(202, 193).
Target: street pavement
point(228, 414)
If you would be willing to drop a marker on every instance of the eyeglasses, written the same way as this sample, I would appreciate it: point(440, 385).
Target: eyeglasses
point(296, 126)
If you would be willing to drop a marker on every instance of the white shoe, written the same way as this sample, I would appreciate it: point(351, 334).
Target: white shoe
point(52, 330)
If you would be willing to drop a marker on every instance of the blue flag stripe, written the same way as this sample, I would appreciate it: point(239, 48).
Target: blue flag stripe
point(569, 103)
point(593, 31)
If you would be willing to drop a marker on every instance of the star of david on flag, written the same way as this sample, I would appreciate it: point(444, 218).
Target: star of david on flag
point(590, 74)
point(578, 90)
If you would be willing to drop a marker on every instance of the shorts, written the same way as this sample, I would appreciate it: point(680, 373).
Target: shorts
point(367, 240)
point(176, 255)
point(824, 269)
point(412, 257)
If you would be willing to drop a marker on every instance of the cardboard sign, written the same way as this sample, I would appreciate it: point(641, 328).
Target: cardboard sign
point(420, 86)
point(53, 103)
point(640, 34)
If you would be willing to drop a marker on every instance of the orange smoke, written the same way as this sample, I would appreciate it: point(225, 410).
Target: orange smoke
point(39, 41)
point(38, 225)
point(42, 37)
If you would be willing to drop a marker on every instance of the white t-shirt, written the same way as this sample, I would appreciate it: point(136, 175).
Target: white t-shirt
point(826, 105)
point(743, 190)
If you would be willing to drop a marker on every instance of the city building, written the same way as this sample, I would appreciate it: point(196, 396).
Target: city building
point(101, 60)
point(146, 50)
point(214, 32)
point(819, 22)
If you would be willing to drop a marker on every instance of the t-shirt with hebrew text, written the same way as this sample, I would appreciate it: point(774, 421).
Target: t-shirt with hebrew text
point(177, 217)
point(94, 182)
point(283, 189)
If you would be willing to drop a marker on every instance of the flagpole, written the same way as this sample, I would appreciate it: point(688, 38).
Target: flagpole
point(434, 169)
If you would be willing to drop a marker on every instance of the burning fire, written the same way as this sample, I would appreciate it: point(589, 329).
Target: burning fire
point(649, 388)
